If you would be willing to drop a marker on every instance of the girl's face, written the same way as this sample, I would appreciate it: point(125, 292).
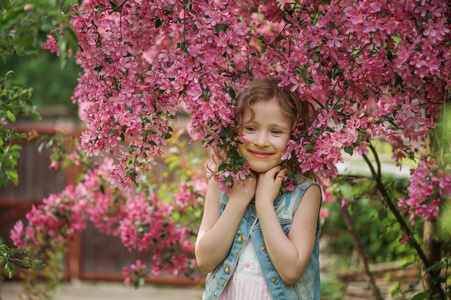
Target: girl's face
point(264, 138)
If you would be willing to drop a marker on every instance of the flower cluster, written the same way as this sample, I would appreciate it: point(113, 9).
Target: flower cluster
point(60, 216)
point(374, 69)
point(429, 185)
point(135, 274)
point(142, 221)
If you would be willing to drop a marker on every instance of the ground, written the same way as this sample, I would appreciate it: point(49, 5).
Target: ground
point(86, 290)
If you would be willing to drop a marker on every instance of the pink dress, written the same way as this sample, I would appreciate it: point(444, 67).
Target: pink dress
point(247, 282)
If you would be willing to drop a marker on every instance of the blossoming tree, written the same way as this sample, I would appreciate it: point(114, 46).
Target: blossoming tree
point(374, 70)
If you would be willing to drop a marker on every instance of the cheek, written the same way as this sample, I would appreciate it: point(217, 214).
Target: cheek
point(282, 146)
point(244, 139)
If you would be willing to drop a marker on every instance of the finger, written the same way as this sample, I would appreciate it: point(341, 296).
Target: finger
point(282, 173)
point(273, 172)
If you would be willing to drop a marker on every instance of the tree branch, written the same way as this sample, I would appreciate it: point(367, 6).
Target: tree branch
point(378, 162)
point(381, 188)
point(361, 251)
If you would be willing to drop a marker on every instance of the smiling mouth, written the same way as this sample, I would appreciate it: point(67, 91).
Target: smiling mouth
point(259, 154)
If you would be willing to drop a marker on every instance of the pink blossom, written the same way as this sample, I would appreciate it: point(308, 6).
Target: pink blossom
point(17, 235)
point(324, 213)
point(372, 69)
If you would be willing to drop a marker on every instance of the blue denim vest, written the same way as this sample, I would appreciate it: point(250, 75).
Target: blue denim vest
point(308, 287)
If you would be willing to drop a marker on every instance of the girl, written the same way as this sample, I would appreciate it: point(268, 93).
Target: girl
point(255, 243)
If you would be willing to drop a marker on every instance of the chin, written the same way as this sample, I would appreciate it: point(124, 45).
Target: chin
point(261, 169)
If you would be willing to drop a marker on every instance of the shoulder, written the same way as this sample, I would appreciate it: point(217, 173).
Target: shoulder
point(304, 183)
point(307, 190)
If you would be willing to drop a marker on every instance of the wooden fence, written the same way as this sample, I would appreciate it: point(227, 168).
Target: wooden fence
point(91, 255)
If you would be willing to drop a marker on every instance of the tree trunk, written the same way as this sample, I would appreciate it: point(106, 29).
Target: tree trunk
point(433, 252)
point(432, 246)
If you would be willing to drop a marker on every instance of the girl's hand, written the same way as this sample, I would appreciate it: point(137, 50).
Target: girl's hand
point(269, 183)
point(242, 194)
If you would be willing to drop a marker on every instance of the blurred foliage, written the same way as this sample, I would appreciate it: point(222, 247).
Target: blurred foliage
point(332, 288)
point(183, 164)
point(378, 230)
point(53, 252)
point(14, 101)
point(12, 257)
point(24, 26)
point(51, 85)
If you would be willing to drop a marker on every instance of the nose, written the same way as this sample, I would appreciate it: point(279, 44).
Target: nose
point(261, 140)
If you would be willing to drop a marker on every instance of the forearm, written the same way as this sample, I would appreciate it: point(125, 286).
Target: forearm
point(213, 246)
point(287, 260)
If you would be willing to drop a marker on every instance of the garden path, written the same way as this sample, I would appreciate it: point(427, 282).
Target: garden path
point(87, 290)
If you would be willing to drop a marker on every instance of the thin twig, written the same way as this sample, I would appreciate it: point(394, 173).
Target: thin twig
point(117, 8)
point(317, 102)
point(361, 251)
point(378, 162)
point(184, 21)
point(399, 218)
point(333, 90)
point(445, 125)
point(363, 48)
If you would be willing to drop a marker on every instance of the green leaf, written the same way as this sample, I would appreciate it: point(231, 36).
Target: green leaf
point(349, 150)
point(298, 71)
point(175, 216)
point(10, 269)
point(173, 165)
point(158, 22)
point(11, 116)
point(240, 160)
point(315, 58)
point(404, 266)
point(17, 83)
point(221, 27)
point(9, 74)
point(382, 214)
point(427, 17)
point(435, 267)
point(12, 174)
point(421, 296)
point(232, 93)
point(37, 263)
point(168, 7)
point(35, 115)
point(309, 147)
point(25, 41)
point(112, 132)
point(222, 167)
point(17, 250)
point(5, 4)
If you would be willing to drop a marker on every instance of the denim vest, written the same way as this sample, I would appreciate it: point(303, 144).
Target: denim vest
point(308, 287)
